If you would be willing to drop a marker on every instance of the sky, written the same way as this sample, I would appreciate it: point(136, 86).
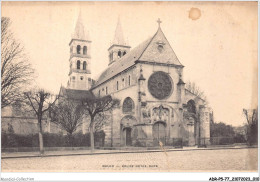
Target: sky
point(218, 50)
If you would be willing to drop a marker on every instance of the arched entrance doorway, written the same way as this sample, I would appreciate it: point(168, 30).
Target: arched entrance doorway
point(159, 133)
point(127, 136)
point(126, 129)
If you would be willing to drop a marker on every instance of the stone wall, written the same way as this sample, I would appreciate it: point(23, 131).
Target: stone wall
point(25, 126)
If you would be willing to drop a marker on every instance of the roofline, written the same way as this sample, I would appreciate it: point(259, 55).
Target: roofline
point(169, 45)
point(140, 61)
point(136, 62)
point(161, 64)
point(70, 98)
point(148, 45)
point(159, 28)
point(195, 95)
point(118, 45)
point(112, 77)
point(80, 41)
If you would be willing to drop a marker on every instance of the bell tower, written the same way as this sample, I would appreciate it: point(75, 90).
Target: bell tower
point(80, 58)
point(119, 46)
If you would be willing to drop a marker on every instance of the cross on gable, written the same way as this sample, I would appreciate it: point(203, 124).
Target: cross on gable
point(159, 21)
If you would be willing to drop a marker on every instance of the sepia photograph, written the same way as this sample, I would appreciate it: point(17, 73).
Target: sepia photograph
point(127, 86)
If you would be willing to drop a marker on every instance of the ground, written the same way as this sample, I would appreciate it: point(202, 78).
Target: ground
point(227, 160)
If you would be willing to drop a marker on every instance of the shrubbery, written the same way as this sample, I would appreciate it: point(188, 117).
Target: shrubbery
point(11, 140)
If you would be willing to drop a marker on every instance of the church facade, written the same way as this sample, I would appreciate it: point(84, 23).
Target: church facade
point(154, 104)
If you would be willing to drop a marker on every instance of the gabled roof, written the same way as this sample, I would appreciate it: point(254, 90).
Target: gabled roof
point(123, 63)
point(75, 94)
point(166, 55)
point(143, 52)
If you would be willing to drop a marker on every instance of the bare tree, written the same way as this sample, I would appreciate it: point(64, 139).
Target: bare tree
point(68, 115)
point(194, 89)
point(251, 116)
point(16, 71)
point(96, 107)
point(40, 101)
point(100, 121)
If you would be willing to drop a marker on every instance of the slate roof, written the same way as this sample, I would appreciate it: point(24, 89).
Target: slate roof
point(130, 59)
point(76, 94)
point(123, 63)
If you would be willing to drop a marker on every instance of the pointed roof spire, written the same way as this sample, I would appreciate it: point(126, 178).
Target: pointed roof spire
point(119, 37)
point(79, 32)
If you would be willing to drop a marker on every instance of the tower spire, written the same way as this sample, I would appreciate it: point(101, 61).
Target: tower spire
point(80, 58)
point(79, 32)
point(119, 37)
point(119, 46)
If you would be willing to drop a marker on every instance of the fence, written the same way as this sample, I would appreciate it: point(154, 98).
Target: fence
point(181, 142)
point(11, 140)
point(222, 140)
point(203, 142)
point(30, 142)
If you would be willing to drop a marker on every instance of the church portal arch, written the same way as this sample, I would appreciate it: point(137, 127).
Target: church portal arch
point(127, 132)
point(128, 121)
point(127, 128)
point(159, 133)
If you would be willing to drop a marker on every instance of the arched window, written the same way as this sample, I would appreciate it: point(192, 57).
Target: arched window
point(78, 49)
point(129, 80)
point(78, 64)
point(123, 82)
point(191, 106)
point(84, 65)
point(111, 56)
point(124, 53)
point(160, 48)
point(128, 105)
point(119, 54)
point(85, 49)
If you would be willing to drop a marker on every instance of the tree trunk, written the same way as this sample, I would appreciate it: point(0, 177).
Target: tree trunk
point(40, 137)
point(70, 138)
point(92, 147)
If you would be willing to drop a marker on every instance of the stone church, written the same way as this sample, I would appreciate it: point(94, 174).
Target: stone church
point(154, 104)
